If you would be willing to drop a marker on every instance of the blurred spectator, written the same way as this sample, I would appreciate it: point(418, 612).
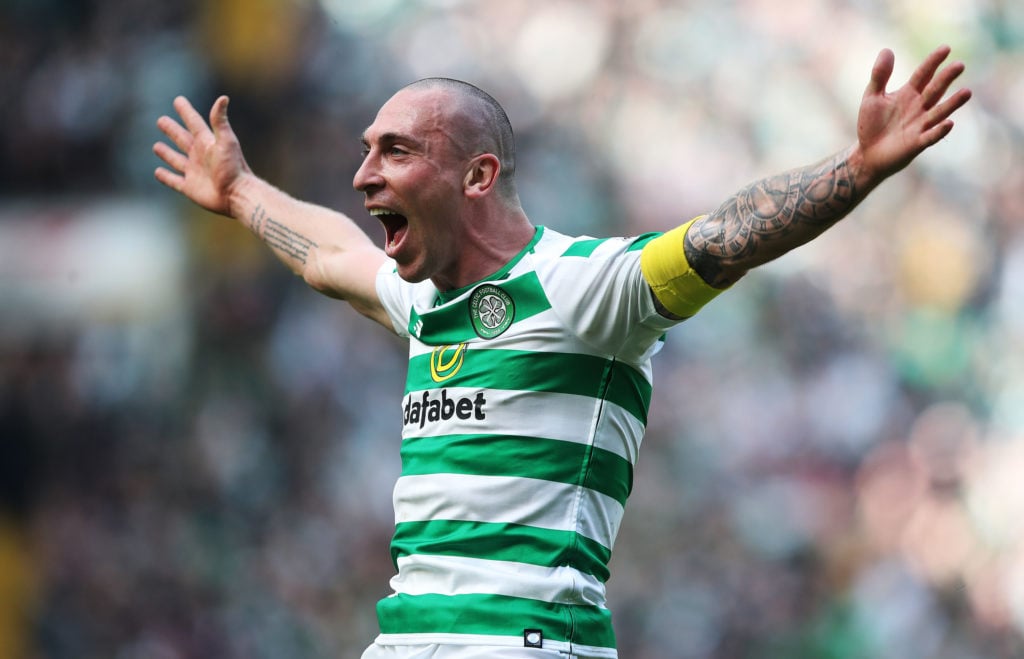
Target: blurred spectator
point(189, 469)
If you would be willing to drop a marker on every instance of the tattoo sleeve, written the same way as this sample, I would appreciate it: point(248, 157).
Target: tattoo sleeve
point(770, 217)
point(279, 237)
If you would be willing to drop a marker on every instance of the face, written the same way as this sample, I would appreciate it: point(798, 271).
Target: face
point(412, 178)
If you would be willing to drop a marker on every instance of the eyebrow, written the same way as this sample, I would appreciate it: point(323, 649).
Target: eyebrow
point(391, 137)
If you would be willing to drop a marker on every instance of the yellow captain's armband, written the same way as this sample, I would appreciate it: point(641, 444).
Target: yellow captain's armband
point(674, 283)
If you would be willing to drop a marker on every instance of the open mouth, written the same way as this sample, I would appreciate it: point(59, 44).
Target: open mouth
point(395, 226)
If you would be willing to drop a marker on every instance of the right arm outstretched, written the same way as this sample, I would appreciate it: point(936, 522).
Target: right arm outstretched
point(324, 247)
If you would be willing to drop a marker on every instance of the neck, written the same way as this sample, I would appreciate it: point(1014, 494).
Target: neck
point(486, 246)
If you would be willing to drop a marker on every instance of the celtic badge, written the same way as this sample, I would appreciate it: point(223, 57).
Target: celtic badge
point(491, 309)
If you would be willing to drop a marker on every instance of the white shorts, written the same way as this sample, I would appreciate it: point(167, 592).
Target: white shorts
point(435, 651)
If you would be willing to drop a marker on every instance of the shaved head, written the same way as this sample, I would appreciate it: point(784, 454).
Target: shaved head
point(479, 124)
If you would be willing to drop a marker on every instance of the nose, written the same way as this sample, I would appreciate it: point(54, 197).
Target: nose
point(368, 177)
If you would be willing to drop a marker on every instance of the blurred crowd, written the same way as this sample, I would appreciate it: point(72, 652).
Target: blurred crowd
point(197, 452)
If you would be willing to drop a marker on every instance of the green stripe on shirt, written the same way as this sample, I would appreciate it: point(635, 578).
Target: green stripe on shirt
point(496, 615)
point(451, 323)
point(527, 457)
point(584, 248)
point(515, 370)
point(641, 241)
point(500, 541)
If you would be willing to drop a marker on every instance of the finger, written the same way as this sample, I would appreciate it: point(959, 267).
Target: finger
point(926, 70)
point(946, 109)
point(880, 72)
point(175, 132)
point(174, 181)
point(193, 120)
point(937, 88)
point(173, 158)
point(219, 116)
point(936, 133)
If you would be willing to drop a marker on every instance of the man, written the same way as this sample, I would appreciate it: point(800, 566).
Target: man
point(529, 374)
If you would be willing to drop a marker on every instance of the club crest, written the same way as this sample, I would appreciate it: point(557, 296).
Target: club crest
point(491, 310)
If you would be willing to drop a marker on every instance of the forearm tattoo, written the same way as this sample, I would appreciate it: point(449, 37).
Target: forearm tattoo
point(770, 217)
point(280, 237)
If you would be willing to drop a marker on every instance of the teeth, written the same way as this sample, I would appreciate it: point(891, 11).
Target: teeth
point(378, 212)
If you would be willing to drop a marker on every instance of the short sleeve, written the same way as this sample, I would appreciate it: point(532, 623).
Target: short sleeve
point(396, 297)
point(599, 291)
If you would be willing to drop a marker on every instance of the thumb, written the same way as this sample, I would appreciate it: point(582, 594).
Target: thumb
point(219, 116)
point(881, 72)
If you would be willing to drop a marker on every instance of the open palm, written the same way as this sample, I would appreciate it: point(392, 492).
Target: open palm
point(892, 129)
point(209, 162)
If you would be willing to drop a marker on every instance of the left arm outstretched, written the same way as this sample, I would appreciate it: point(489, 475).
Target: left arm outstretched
point(774, 215)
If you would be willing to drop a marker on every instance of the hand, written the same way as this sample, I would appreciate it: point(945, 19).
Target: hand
point(209, 163)
point(892, 129)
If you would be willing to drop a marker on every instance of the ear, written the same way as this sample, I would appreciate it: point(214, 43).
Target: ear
point(482, 175)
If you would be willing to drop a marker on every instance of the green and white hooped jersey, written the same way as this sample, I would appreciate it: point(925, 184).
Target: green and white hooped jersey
point(524, 408)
